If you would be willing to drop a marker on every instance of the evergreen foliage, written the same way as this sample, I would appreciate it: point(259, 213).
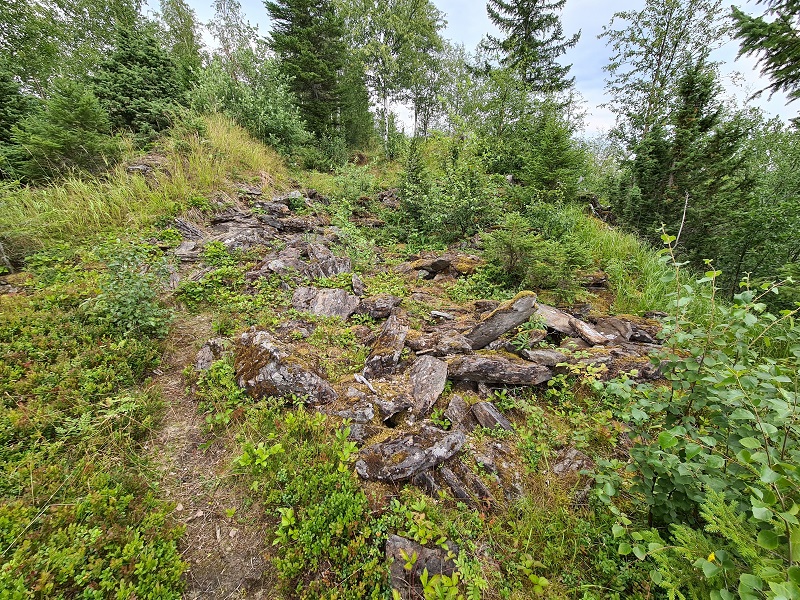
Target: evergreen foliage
point(70, 133)
point(775, 39)
point(534, 41)
point(689, 174)
point(138, 83)
point(308, 37)
point(649, 54)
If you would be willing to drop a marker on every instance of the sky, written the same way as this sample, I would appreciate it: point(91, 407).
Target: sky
point(467, 23)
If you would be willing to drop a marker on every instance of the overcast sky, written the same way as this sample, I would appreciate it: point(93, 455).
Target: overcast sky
point(467, 23)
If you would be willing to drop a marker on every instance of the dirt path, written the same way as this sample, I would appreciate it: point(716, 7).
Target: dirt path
point(224, 542)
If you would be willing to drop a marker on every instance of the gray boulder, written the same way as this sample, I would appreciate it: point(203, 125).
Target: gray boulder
point(505, 317)
point(265, 367)
point(380, 306)
point(488, 416)
point(428, 378)
point(402, 457)
point(325, 302)
point(385, 354)
point(497, 369)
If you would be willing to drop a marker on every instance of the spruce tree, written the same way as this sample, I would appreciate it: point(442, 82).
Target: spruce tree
point(775, 39)
point(70, 133)
point(139, 83)
point(308, 37)
point(534, 41)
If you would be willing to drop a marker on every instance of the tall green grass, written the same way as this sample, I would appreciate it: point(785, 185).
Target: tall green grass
point(77, 208)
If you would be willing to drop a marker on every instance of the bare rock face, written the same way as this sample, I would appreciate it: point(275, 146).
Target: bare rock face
point(440, 343)
point(497, 369)
point(571, 460)
point(264, 368)
point(380, 306)
point(506, 316)
point(548, 358)
point(407, 582)
point(325, 302)
point(588, 333)
point(488, 416)
point(555, 319)
point(386, 351)
point(210, 352)
point(459, 415)
point(402, 457)
point(428, 378)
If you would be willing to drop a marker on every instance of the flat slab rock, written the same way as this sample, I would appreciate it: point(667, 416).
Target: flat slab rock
point(505, 317)
point(385, 354)
point(488, 416)
point(325, 302)
point(497, 369)
point(264, 368)
point(428, 378)
point(402, 457)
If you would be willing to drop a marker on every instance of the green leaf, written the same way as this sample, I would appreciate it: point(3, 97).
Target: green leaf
point(794, 574)
point(761, 513)
point(624, 549)
point(741, 414)
point(709, 569)
point(617, 530)
point(750, 582)
point(768, 539)
point(640, 552)
point(750, 442)
point(666, 440)
point(656, 576)
point(768, 475)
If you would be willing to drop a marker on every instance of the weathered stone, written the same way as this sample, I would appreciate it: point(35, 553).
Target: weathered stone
point(458, 413)
point(588, 333)
point(456, 485)
point(402, 457)
point(188, 251)
point(428, 378)
point(615, 329)
point(210, 352)
point(362, 412)
point(358, 285)
point(407, 581)
point(264, 368)
point(388, 409)
point(380, 306)
point(324, 301)
point(506, 316)
point(642, 337)
point(188, 230)
point(439, 343)
point(556, 319)
point(445, 316)
point(571, 460)
point(385, 354)
point(361, 432)
point(548, 358)
point(497, 369)
point(488, 416)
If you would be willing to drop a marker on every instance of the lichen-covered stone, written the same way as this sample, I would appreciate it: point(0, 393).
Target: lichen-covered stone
point(402, 457)
point(385, 354)
point(264, 368)
point(325, 302)
point(428, 378)
point(497, 369)
point(505, 317)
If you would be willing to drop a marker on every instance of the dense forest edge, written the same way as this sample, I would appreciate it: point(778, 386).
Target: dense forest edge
point(260, 337)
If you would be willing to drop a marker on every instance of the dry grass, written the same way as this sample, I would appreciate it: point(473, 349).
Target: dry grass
point(72, 210)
